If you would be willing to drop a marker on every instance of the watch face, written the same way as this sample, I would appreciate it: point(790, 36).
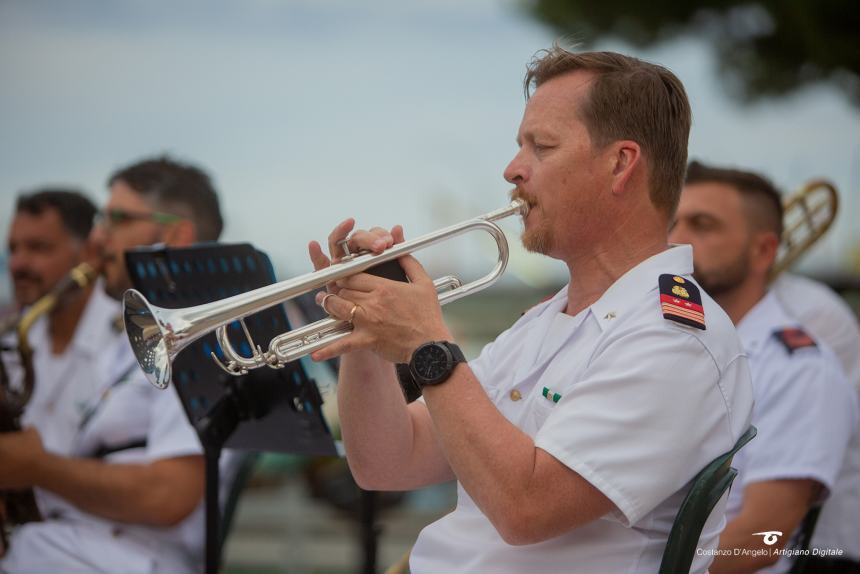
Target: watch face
point(432, 363)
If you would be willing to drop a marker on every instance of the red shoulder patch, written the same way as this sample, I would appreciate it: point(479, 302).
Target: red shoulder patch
point(795, 338)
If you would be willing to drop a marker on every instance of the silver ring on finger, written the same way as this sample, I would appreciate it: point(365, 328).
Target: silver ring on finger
point(343, 245)
point(324, 299)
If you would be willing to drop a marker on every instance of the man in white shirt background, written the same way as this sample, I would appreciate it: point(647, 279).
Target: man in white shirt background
point(829, 318)
point(48, 237)
point(805, 411)
point(128, 497)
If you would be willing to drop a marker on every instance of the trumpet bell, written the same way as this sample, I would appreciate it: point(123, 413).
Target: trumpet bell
point(148, 337)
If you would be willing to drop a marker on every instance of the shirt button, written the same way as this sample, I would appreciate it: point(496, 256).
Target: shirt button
point(516, 395)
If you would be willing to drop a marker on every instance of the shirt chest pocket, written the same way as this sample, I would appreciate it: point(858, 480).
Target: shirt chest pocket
point(549, 392)
point(537, 412)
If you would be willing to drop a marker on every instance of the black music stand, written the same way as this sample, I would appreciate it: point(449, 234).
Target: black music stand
point(265, 410)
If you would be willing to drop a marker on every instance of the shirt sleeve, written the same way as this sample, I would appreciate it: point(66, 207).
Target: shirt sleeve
point(647, 415)
point(170, 434)
point(805, 412)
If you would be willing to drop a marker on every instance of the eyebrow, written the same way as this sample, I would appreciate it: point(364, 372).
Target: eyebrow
point(536, 133)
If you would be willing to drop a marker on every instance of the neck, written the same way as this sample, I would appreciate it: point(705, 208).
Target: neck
point(616, 252)
point(64, 319)
point(738, 302)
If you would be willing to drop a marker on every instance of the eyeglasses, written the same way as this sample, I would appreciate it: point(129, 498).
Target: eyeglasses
point(116, 216)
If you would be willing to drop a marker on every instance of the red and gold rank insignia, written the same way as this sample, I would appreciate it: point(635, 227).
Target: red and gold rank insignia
point(680, 292)
point(795, 338)
point(682, 304)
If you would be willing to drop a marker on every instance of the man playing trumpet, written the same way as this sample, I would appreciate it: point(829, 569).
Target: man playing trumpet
point(574, 435)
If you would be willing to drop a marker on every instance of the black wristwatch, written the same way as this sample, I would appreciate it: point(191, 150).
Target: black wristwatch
point(432, 363)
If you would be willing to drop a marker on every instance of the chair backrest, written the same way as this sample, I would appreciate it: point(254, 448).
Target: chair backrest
point(801, 564)
point(244, 468)
point(706, 490)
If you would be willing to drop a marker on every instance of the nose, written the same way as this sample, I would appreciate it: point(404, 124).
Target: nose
point(18, 261)
point(516, 172)
point(98, 234)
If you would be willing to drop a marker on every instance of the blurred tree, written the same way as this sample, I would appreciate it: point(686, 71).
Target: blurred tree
point(770, 47)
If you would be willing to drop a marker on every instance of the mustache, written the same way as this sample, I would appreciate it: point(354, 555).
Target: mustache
point(519, 193)
point(26, 275)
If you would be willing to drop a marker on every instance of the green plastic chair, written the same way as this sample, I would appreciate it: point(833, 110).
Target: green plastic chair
point(708, 487)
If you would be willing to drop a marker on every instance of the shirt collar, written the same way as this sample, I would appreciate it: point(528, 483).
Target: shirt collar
point(643, 278)
point(619, 298)
point(758, 325)
point(95, 327)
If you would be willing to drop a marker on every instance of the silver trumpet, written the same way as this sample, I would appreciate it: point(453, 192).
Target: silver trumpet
point(157, 334)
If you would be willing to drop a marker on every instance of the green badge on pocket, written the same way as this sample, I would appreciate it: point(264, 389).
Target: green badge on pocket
point(548, 394)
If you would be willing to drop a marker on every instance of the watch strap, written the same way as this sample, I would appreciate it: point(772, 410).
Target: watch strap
point(456, 352)
point(410, 387)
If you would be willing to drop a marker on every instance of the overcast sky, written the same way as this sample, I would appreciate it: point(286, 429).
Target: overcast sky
point(308, 112)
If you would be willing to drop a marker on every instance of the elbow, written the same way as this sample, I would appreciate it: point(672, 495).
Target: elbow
point(168, 515)
point(372, 473)
point(516, 537)
point(364, 481)
point(174, 516)
point(367, 479)
point(518, 528)
point(166, 510)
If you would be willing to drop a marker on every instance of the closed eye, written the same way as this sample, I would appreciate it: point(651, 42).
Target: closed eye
point(703, 222)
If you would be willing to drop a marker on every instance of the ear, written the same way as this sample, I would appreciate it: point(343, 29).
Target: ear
point(180, 234)
point(625, 156)
point(763, 250)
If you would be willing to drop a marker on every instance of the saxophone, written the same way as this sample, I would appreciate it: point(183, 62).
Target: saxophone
point(19, 506)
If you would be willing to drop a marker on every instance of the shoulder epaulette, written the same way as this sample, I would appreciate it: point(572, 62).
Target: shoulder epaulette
point(794, 338)
point(681, 301)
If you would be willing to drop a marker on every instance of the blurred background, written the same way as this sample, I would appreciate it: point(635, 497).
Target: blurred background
point(307, 112)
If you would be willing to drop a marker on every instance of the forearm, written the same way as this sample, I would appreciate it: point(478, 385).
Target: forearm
point(746, 554)
point(388, 445)
point(133, 493)
point(774, 505)
point(502, 470)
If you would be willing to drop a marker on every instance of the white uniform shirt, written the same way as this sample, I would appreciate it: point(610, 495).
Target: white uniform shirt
point(124, 409)
point(831, 320)
point(645, 403)
point(805, 411)
point(66, 382)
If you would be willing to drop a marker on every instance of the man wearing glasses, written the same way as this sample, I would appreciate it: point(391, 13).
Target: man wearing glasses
point(129, 497)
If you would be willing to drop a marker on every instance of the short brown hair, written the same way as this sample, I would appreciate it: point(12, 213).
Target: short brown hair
point(75, 209)
point(762, 198)
point(178, 188)
point(629, 99)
